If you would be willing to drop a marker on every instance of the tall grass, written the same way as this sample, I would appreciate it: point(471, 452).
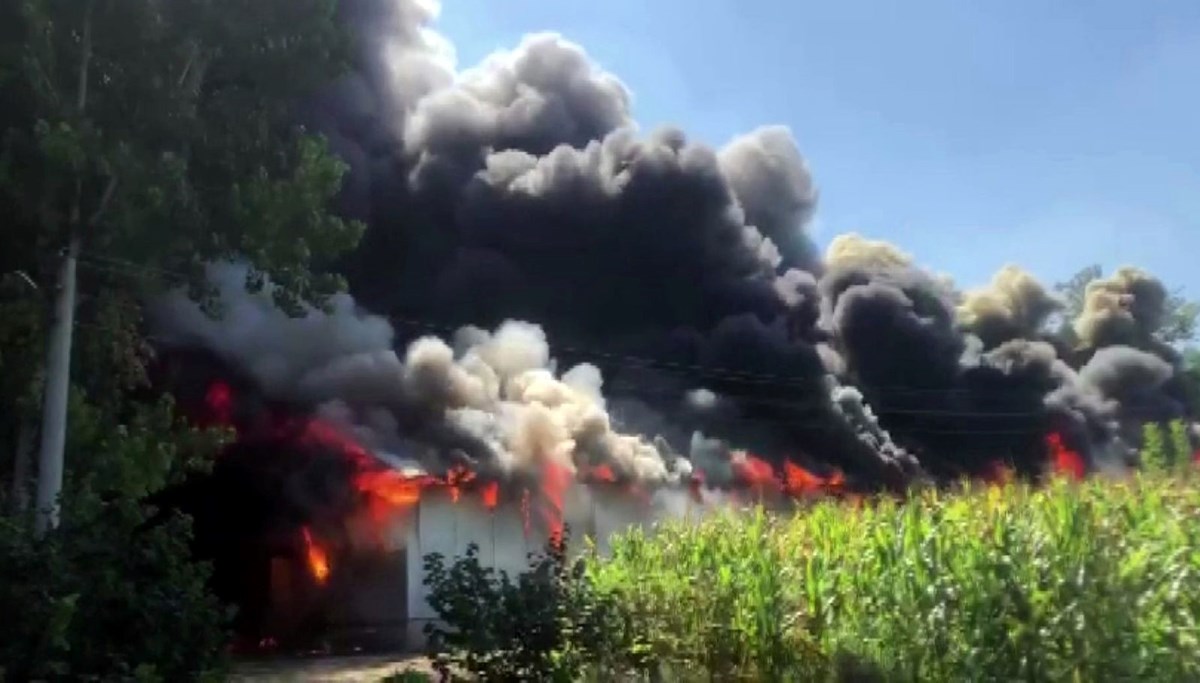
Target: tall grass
point(1091, 581)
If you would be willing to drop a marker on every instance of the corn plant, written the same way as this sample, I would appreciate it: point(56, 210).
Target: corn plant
point(1086, 581)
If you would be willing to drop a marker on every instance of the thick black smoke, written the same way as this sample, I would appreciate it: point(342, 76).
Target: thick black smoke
point(521, 189)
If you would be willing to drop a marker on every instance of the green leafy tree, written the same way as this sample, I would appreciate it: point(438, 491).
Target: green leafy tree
point(161, 134)
point(1190, 377)
point(1074, 290)
point(143, 139)
point(1179, 319)
point(139, 140)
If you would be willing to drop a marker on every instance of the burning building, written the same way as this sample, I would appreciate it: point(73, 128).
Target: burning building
point(703, 347)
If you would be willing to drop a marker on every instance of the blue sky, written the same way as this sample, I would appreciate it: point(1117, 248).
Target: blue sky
point(1051, 133)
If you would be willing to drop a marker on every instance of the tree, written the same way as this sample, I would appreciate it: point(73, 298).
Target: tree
point(145, 138)
point(1190, 377)
point(1179, 316)
point(1074, 291)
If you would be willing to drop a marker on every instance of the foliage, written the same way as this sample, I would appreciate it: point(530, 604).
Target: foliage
point(124, 118)
point(1189, 377)
point(1090, 581)
point(1166, 448)
point(1074, 292)
point(1095, 580)
point(545, 625)
point(163, 136)
point(1180, 316)
point(101, 599)
point(407, 676)
point(157, 137)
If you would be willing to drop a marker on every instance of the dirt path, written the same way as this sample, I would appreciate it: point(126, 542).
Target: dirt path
point(371, 669)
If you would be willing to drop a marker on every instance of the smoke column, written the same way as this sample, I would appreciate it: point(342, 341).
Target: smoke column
point(515, 206)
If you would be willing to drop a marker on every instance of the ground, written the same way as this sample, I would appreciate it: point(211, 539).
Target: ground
point(330, 669)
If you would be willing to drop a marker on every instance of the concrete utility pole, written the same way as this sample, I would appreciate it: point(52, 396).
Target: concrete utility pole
point(54, 403)
point(58, 355)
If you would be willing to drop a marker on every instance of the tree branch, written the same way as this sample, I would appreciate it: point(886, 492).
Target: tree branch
point(105, 200)
point(85, 61)
point(187, 67)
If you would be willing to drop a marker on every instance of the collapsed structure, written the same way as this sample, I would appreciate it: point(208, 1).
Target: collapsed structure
point(703, 345)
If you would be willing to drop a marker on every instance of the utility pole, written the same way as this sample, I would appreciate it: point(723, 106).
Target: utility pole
point(58, 355)
point(54, 403)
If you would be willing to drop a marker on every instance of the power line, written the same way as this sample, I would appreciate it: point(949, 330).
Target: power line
point(117, 266)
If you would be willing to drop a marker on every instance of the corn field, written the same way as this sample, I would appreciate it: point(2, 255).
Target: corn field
point(1071, 581)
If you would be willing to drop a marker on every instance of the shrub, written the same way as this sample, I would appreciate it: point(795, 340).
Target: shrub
point(101, 599)
point(546, 625)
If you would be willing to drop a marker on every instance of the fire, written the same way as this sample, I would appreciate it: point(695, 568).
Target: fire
point(755, 472)
point(800, 482)
point(317, 557)
point(388, 491)
point(604, 473)
point(1064, 461)
point(796, 481)
point(456, 478)
point(490, 493)
point(219, 399)
point(556, 478)
point(997, 474)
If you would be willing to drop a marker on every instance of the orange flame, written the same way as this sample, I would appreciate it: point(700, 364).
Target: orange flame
point(1064, 461)
point(604, 473)
point(798, 481)
point(556, 478)
point(318, 559)
point(490, 494)
point(756, 473)
point(456, 478)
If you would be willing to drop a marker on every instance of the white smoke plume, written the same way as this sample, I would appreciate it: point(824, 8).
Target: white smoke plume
point(499, 389)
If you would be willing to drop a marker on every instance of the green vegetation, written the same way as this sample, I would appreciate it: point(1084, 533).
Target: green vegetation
point(407, 677)
point(546, 624)
point(138, 140)
point(1177, 325)
point(1093, 581)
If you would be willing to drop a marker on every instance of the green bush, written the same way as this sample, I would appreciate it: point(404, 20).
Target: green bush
point(102, 599)
point(546, 625)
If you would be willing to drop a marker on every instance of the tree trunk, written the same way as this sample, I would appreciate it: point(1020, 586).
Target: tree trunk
point(54, 402)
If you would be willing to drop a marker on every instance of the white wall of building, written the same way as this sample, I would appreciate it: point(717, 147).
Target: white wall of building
point(443, 526)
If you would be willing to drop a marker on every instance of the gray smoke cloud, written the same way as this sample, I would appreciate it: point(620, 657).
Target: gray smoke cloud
point(497, 400)
point(1013, 306)
point(962, 403)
